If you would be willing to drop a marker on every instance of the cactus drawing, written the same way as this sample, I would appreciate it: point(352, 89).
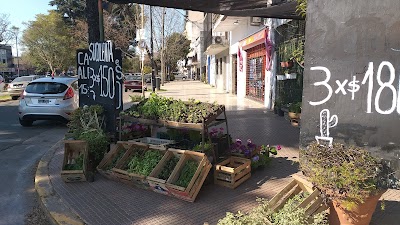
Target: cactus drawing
point(326, 122)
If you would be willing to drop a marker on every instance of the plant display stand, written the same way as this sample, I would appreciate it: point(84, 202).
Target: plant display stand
point(313, 203)
point(73, 150)
point(232, 172)
point(157, 184)
point(202, 127)
point(190, 192)
point(111, 159)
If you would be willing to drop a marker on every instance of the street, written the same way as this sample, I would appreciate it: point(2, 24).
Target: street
point(20, 150)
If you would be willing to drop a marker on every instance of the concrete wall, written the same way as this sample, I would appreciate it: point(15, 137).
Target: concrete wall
point(348, 42)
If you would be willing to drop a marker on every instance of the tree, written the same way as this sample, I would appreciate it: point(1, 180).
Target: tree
point(177, 48)
point(49, 42)
point(73, 10)
point(5, 33)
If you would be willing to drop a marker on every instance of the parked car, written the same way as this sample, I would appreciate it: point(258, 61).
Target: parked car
point(147, 78)
point(179, 76)
point(48, 99)
point(134, 83)
point(2, 83)
point(17, 86)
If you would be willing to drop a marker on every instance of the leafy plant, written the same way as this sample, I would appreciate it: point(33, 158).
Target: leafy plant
point(290, 214)
point(144, 164)
point(298, 54)
point(77, 164)
point(97, 143)
point(206, 147)
point(116, 159)
point(136, 98)
point(347, 174)
point(168, 168)
point(295, 107)
point(85, 119)
point(187, 173)
point(301, 8)
point(262, 158)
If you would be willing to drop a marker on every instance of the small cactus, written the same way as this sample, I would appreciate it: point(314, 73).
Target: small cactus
point(327, 122)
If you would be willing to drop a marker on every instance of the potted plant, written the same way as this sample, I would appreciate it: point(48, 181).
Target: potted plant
point(295, 111)
point(262, 158)
point(286, 60)
point(349, 177)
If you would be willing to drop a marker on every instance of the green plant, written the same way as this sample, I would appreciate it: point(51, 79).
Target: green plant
point(97, 144)
point(136, 98)
point(187, 173)
point(295, 107)
point(85, 119)
point(76, 165)
point(262, 158)
point(346, 174)
point(298, 53)
point(301, 8)
point(290, 214)
point(116, 159)
point(143, 164)
point(168, 168)
point(206, 147)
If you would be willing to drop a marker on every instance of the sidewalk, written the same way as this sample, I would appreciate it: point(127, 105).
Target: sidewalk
point(108, 202)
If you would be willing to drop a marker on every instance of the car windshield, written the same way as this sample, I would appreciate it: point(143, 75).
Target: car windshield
point(22, 79)
point(132, 77)
point(46, 88)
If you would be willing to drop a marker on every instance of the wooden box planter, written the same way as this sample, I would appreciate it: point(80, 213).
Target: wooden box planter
point(112, 158)
point(313, 203)
point(157, 184)
point(253, 153)
point(190, 192)
point(133, 179)
point(72, 150)
point(232, 172)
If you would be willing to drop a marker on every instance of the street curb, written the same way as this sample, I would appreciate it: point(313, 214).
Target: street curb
point(6, 100)
point(54, 208)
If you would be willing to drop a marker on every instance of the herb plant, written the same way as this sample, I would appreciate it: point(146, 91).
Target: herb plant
point(116, 159)
point(168, 168)
point(77, 165)
point(97, 144)
point(143, 164)
point(187, 173)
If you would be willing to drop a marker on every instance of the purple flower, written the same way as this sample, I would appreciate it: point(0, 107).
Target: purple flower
point(247, 152)
point(248, 141)
point(221, 128)
point(256, 158)
point(278, 147)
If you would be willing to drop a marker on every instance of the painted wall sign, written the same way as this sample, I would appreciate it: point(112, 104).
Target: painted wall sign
point(100, 81)
point(255, 39)
point(352, 77)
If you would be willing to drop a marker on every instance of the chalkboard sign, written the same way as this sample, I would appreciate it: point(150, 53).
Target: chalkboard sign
point(100, 81)
point(352, 77)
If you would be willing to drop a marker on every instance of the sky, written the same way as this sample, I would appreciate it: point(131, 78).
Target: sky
point(20, 11)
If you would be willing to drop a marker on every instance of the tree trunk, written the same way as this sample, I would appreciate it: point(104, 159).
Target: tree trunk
point(92, 13)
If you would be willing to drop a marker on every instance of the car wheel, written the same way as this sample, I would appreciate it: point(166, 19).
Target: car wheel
point(126, 90)
point(14, 97)
point(26, 123)
point(183, 78)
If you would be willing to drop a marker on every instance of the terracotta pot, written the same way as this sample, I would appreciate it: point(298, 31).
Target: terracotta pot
point(360, 215)
point(287, 64)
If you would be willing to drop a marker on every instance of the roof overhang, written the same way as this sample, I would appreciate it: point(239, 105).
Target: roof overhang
point(215, 49)
point(258, 8)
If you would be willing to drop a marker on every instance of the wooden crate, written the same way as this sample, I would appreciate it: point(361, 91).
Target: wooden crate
point(313, 203)
point(157, 184)
point(111, 158)
point(72, 150)
point(133, 179)
point(232, 172)
point(190, 192)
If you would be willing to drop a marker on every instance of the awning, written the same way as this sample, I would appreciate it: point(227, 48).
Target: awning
point(215, 49)
point(257, 8)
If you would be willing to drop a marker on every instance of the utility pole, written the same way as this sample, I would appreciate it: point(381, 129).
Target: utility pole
point(153, 77)
point(142, 54)
point(16, 31)
point(101, 20)
point(163, 49)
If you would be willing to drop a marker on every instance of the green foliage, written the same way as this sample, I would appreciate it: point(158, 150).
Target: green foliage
point(116, 159)
point(49, 42)
point(146, 69)
point(73, 9)
point(290, 214)
point(301, 8)
point(206, 147)
point(298, 53)
point(136, 98)
point(295, 107)
point(168, 168)
point(158, 107)
point(97, 144)
point(178, 47)
point(143, 164)
point(347, 174)
point(187, 173)
point(77, 165)
point(85, 119)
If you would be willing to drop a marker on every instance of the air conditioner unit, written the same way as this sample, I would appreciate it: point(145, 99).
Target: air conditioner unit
point(255, 21)
point(219, 40)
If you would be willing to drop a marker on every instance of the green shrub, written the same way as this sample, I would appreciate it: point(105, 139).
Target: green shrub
point(187, 173)
point(97, 143)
